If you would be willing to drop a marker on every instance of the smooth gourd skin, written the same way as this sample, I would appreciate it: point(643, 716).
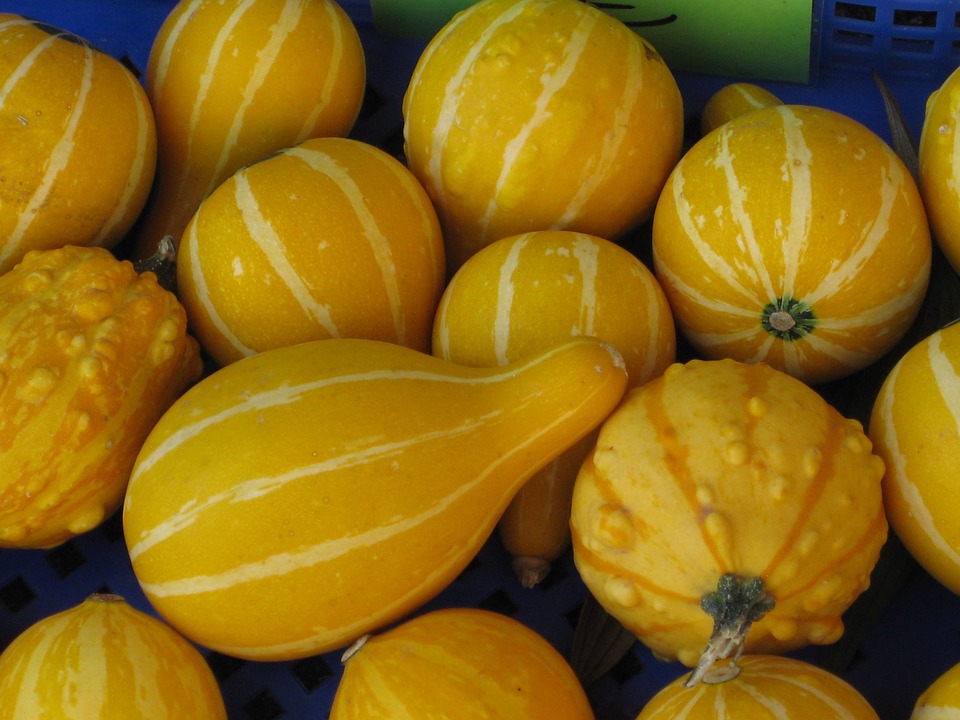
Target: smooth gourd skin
point(231, 82)
point(767, 687)
point(105, 660)
point(723, 467)
point(79, 142)
point(915, 427)
point(93, 354)
point(330, 238)
point(458, 664)
point(941, 699)
point(299, 498)
point(733, 100)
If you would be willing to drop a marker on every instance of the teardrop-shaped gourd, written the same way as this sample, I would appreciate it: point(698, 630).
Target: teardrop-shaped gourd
point(299, 498)
point(79, 143)
point(104, 658)
point(728, 506)
point(93, 353)
point(756, 685)
point(232, 81)
point(461, 663)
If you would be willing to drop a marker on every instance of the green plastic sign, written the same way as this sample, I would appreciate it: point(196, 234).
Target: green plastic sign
point(769, 39)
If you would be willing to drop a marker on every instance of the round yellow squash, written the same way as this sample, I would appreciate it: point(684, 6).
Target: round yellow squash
point(761, 686)
point(232, 81)
point(329, 238)
point(93, 353)
point(939, 158)
point(795, 236)
point(941, 700)
point(105, 660)
point(915, 427)
point(526, 115)
point(733, 100)
point(524, 293)
point(79, 142)
point(299, 498)
point(458, 663)
point(727, 506)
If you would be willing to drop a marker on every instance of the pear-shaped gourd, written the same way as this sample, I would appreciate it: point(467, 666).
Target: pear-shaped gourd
point(297, 499)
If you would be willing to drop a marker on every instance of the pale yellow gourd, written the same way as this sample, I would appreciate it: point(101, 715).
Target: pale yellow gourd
point(300, 498)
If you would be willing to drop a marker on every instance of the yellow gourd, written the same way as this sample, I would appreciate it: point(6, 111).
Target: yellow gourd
point(761, 686)
point(941, 700)
point(232, 81)
point(915, 427)
point(330, 238)
point(795, 236)
point(79, 142)
point(105, 660)
point(93, 353)
point(727, 506)
point(458, 663)
point(733, 100)
point(299, 498)
point(524, 115)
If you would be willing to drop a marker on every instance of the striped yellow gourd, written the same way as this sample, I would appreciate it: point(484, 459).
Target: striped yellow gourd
point(79, 142)
point(459, 663)
point(103, 660)
point(518, 296)
point(330, 238)
point(939, 162)
point(723, 493)
point(232, 81)
point(526, 115)
point(732, 101)
point(93, 353)
point(915, 426)
point(941, 700)
point(299, 498)
point(795, 236)
point(767, 686)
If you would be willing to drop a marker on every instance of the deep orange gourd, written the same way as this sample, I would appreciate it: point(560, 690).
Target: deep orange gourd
point(761, 686)
point(795, 236)
point(93, 354)
point(458, 664)
point(105, 660)
point(231, 81)
point(299, 498)
point(79, 142)
point(728, 503)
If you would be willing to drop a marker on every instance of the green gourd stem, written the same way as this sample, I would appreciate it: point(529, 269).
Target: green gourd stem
point(735, 605)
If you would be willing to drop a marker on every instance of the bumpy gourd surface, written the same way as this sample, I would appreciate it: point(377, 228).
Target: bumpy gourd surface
point(79, 142)
point(93, 355)
point(915, 425)
point(795, 236)
point(301, 497)
point(464, 663)
point(530, 114)
point(104, 660)
point(722, 467)
point(767, 687)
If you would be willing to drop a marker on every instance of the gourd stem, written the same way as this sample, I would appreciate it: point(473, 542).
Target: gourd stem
point(734, 606)
point(163, 263)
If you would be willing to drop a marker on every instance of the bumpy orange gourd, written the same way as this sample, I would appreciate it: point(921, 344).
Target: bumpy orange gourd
point(941, 699)
point(766, 686)
point(79, 142)
point(330, 238)
point(733, 100)
point(93, 354)
point(526, 115)
point(232, 81)
point(524, 293)
point(938, 155)
point(795, 236)
point(459, 663)
point(726, 487)
point(369, 474)
point(104, 660)
point(915, 427)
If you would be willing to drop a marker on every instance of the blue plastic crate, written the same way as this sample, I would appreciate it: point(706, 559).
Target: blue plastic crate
point(913, 44)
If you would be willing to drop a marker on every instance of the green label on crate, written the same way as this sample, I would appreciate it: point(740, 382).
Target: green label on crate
point(769, 39)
